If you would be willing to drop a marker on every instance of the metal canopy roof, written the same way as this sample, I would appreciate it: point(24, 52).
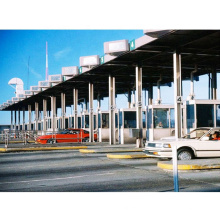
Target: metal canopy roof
point(201, 47)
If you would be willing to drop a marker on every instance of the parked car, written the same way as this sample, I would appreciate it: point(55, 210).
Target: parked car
point(68, 135)
point(201, 142)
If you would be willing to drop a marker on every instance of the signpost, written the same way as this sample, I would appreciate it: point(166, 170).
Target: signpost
point(175, 169)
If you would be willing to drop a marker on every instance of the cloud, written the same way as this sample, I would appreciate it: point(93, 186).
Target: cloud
point(36, 74)
point(62, 53)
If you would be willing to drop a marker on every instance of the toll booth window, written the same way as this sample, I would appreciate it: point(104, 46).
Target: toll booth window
point(39, 126)
point(149, 119)
point(120, 119)
point(116, 120)
point(144, 119)
point(99, 120)
point(94, 121)
point(66, 122)
point(190, 116)
point(71, 122)
point(130, 119)
point(79, 122)
point(161, 118)
point(105, 120)
point(218, 116)
point(172, 118)
point(86, 121)
point(49, 123)
point(205, 115)
point(83, 121)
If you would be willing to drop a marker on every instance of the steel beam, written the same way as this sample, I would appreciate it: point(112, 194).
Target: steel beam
point(75, 103)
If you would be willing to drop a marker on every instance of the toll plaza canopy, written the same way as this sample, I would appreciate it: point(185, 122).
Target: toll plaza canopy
point(153, 52)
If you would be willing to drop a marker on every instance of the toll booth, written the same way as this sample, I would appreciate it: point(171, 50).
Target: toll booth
point(201, 113)
point(85, 121)
point(103, 126)
point(59, 122)
point(127, 121)
point(160, 121)
point(71, 121)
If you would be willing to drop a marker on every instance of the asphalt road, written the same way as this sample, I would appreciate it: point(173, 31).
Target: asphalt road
point(72, 171)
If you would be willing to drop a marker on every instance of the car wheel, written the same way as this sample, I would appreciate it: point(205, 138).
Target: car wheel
point(184, 154)
point(51, 141)
point(85, 140)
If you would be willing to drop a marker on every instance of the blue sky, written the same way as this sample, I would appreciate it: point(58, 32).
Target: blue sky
point(64, 49)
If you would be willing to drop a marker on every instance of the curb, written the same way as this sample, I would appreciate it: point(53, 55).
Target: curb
point(3, 150)
point(108, 151)
point(187, 166)
point(127, 156)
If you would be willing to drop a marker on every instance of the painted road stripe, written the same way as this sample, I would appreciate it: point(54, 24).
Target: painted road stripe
point(64, 178)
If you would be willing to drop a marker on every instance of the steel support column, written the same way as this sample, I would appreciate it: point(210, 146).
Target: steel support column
point(150, 94)
point(98, 102)
point(19, 120)
point(23, 124)
point(177, 94)
point(63, 110)
point(53, 113)
point(15, 122)
point(11, 120)
point(214, 85)
point(112, 110)
point(129, 98)
point(36, 115)
point(75, 103)
point(44, 116)
point(29, 117)
point(139, 124)
point(91, 121)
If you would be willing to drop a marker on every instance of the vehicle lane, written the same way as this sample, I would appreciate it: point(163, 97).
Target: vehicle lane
point(68, 171)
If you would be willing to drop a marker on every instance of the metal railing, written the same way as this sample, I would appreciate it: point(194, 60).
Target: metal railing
point(11, 136)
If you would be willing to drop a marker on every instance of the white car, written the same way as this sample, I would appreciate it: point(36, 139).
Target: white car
point(201, 142)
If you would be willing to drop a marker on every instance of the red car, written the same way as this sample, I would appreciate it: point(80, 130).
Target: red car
point(68, 135)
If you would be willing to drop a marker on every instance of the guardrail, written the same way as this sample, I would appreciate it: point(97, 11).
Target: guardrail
point(25, 137)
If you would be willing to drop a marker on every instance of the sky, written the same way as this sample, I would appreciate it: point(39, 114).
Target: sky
point(18, 47)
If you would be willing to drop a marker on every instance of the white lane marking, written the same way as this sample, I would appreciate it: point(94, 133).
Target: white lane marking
point(70, 177)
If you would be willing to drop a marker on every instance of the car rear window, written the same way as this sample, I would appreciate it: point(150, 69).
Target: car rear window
point(86, 132)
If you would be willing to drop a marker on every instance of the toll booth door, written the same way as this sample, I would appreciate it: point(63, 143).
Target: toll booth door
point(205, 115)
point(66, 122)
point(120, 125)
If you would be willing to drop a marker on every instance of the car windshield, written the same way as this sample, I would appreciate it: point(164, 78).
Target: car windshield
point(197, 133)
